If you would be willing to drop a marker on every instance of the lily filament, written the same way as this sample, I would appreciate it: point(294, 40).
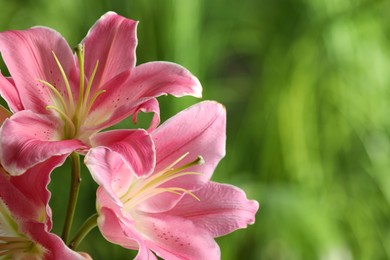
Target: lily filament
point(73, 113)
point(145, 188)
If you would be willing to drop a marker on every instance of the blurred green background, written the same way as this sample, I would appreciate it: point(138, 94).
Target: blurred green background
point(306, 84)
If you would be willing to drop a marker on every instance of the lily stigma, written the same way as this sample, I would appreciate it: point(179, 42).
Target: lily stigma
point(73, 115)
point(144, 188)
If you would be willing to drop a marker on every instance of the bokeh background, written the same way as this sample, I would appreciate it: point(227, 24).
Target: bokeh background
point(306, 84)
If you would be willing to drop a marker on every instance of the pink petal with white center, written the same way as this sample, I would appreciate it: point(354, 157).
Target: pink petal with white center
point(112, 42)
point(10, 94)
point(134, 146)
point(222, 209)
point(172, 237)
point(29, 58)
point(27, 139)
point(123, 234)
point(146, 82)
point(199, 130)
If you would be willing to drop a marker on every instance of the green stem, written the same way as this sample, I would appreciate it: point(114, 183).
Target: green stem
point(88, 225)
point(74, 192)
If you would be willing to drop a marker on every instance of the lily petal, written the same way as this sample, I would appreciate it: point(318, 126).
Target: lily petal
point(146, 81)
point(100, 117)
point(29, 212)
point(27, 139)
point(222, 209)
point(158, 78)
point(149, 106)
point(134, 146)
point(33, 184)
point(53, 245)
point(18, 203)
point(111, 41)
point(29, 58)
point(172, 237)
point(110, 172)
point(122, 234)
point(9, 92)
point(199, 130)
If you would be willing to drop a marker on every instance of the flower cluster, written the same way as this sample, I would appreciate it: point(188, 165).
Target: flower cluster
point(155, 194)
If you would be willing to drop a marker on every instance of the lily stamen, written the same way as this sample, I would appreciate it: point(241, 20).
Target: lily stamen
point(12, 239)
point(64, 117)
point(66, 81)
point(178, 191)
point(57, 95)
point(170, 173)
point(93, 100)
point(143, 189)
point(80, 56)
point(13, 245)
point(73, 114)
point(90, 85)
point(152, 181)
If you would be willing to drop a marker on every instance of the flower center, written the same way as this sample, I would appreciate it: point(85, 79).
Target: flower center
point(73, 113)
point(145, 188)
point(13, 244)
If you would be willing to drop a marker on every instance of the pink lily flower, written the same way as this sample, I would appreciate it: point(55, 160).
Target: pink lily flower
point(25, 217)
point(62, 100)
point(176, 211)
